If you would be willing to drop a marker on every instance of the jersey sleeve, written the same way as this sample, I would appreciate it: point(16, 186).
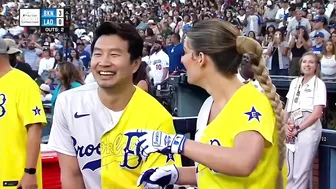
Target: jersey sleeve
point(42, 66)
point(30, 104)
point(166, 61)
point(278, 15)
point(60, 139)
point(159, 160)
point(320, 97)
point(257, 117)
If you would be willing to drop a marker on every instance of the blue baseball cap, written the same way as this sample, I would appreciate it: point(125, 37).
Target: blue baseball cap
point(187, 27)
point(319, 19)
point(319, 34)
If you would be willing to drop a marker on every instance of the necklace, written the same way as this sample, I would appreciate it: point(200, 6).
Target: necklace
point(328, 57)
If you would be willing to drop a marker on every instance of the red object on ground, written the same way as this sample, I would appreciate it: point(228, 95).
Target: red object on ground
point(50, 171)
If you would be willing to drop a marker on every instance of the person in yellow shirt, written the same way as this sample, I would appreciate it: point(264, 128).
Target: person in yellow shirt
point(240, 141)
point(21, 120)
point(95, 126)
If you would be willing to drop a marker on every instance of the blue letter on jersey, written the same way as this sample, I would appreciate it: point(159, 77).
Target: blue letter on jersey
point(128, 151)
point(88, 151)
point(214, 142)
point(3, 100)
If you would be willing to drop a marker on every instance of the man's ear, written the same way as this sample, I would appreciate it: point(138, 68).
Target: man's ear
point(136, 64)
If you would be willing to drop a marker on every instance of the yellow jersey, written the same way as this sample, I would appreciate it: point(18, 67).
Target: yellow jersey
point(120, 168)
point(242, 113)
point(20, 105)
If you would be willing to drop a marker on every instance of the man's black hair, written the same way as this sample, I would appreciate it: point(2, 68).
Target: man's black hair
point(126, 32)
point(177, 36)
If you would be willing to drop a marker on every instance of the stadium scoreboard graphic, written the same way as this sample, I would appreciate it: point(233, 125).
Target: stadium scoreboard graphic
point(51, 20)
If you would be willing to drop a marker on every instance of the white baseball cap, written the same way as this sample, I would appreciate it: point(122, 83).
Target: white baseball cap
point(45, 88)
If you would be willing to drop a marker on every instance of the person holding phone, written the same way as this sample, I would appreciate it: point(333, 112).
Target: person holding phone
point(277, 52)
point(298, 45)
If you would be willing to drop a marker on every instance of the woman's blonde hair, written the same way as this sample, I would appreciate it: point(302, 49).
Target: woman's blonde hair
point(220, 41)
point(317, 60)
point(260, 70)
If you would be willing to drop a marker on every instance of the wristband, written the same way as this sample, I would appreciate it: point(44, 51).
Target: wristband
point(30, 171)
point(177, 145)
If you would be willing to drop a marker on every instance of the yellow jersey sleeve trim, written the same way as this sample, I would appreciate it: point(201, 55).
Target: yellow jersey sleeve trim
point(30, 106)
point(267, 137)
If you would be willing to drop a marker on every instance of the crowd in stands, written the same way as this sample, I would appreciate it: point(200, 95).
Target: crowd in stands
point(285, 29)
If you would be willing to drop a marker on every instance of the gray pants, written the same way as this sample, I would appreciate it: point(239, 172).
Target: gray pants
point(300, 163)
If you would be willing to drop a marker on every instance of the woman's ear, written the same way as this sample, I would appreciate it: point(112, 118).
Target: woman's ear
point(201, 59)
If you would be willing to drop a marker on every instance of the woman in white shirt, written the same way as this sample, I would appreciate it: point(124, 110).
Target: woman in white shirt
point(46, 63)
point(306, 99)
point(278, 61)
point(328, 60)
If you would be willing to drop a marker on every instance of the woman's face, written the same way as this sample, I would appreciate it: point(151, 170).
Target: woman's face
point(251, 34)
point(309, 17)
point(58, 74)
point(228, 14)
point(141, 33)
point(329, 46)
point(278, 34)
point(189, 61)
point(333, 38)
point(308, 65)
point(57, 56)
point(73, 54)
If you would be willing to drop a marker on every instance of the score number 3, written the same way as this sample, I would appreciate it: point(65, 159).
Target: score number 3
point(60, 12)
point(3, 100)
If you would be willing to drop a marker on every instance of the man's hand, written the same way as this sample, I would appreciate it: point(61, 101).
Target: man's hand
point(156, 141)
point(28, 182)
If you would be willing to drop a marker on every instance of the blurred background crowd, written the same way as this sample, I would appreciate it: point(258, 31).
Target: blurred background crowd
point(286, 30)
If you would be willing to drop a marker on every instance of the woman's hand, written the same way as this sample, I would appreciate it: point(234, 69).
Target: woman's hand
point(266, 56)
point(289, 130)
